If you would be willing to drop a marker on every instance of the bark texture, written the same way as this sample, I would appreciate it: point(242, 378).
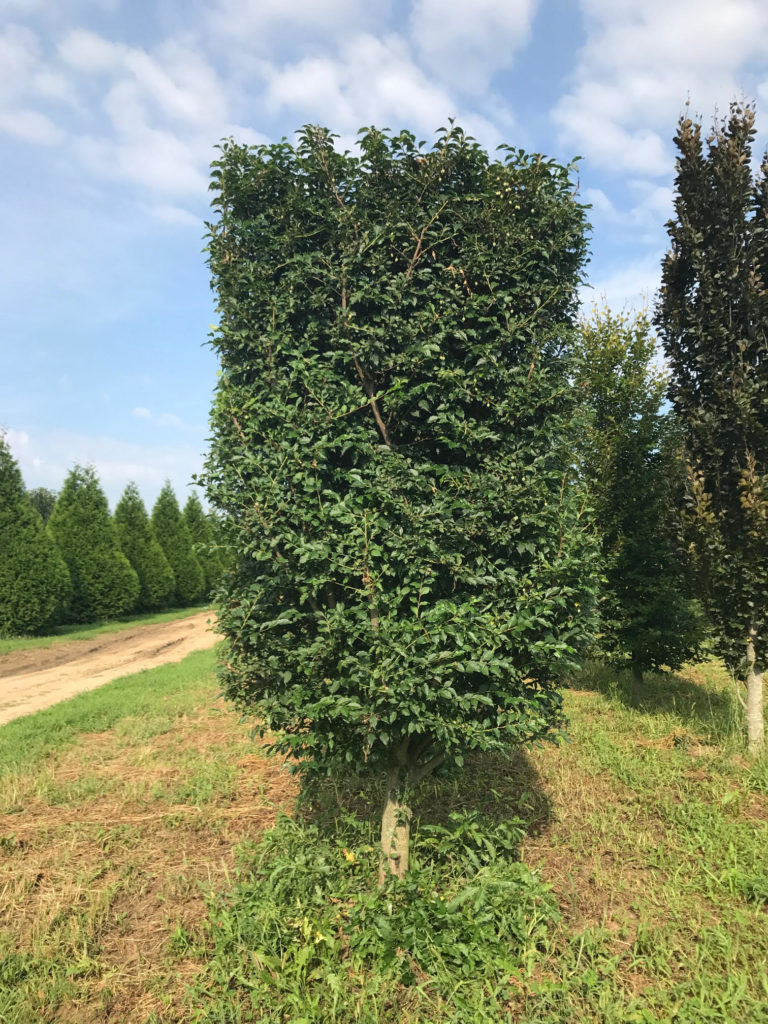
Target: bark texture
point(754, 705)
point(407, 769)
point(395, 825)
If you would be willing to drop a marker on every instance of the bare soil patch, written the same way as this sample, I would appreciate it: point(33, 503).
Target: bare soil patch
point(34, 679)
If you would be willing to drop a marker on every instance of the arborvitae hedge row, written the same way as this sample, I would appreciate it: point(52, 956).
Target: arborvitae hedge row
point(203, 542)
point(173, 535)
point(143, 551)
point(104, 584)
point(34, 582)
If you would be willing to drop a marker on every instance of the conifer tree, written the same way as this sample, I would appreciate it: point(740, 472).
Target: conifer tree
point(203, 541)
point(34, 582)
point(712, 315)
point(630, 453)
point(142, 549)
point(175, 540)
point(103, 583)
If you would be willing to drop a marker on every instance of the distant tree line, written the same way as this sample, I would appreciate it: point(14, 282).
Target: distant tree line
point(65, 559)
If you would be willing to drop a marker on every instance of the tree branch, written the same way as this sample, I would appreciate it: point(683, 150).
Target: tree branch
point(374, 404)
point(420, 772)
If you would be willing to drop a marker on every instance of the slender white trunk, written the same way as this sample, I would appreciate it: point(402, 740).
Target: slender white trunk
point(755, 717)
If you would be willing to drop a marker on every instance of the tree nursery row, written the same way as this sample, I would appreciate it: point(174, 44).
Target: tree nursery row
point(66, 560)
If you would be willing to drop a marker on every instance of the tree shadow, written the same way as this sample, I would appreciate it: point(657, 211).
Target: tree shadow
point(497, 789)
point(701, 696)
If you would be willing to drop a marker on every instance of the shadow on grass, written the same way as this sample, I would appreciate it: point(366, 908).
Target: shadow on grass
point(498, 790)
point(701, 696)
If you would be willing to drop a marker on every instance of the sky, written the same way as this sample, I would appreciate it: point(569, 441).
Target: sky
point(110, 111)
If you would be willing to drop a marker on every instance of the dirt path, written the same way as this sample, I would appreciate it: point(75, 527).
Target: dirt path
point(35, 679)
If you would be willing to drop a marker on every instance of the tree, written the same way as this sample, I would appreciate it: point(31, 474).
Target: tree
point(173, 535)
point(203, 542)
point(103, 583)
point(43, 500)
point(34, 582)
point(712, 315)
point(142, 549)
point(630, 451)
point(391, 451)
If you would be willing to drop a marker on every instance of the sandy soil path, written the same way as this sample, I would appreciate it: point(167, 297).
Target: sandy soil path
point(35, 679)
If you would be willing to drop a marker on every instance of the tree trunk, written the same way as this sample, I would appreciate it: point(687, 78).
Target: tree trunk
point(755, 719)
point(637, 683)
point(395, 825)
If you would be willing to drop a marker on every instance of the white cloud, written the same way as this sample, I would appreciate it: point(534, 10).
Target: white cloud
point(371, 81)
point(633, 286)
point(466, 44)
point(30, 125)
point(46, 457)
point(262, 26)
point(168, 213)
point(163, 419)
point(23, 79)
point(88, 52)
point(641, 61)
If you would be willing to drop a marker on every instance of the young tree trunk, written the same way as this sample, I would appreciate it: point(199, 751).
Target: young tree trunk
point(637, 683)
point(407, 769)
point(395, 825)
point(755, 719)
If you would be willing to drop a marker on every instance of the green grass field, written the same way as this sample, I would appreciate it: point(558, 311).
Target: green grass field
point(62, 634)
point(155, 868)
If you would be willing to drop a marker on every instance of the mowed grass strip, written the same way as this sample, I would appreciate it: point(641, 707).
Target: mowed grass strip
point(620, 876)
point(88, 631)
point(119, 811)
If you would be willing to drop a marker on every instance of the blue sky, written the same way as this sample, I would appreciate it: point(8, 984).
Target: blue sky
point(110, 109)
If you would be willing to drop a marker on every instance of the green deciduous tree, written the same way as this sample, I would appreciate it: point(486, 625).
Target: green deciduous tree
point(204, 542)
point(43, 500)
point(142, 549)
point(103, 583)
point(631, 457)
point(34, 582)
point(391, 454)
point(713, 318)
point(175, 540)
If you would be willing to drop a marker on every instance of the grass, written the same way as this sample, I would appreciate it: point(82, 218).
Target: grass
point(154, 867)
point(62, 634)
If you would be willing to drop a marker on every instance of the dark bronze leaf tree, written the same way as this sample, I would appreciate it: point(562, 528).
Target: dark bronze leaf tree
point(713, 318)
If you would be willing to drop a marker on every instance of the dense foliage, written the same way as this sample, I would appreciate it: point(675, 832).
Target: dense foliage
point(43, 499)
point(713, 319)
point(392, 449)
point(631, 459)
point(204, 542)
point(142, 549)
point(34, 582)
point(172, 533)
point(103, 583)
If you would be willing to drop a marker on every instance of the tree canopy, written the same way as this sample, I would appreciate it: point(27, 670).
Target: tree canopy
point(172, 533)
point(631, 458)
point(34, 581)
point(142, 549)
point(103, 583)
point(204, 542)
point(392, 449)
point(713, 318)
